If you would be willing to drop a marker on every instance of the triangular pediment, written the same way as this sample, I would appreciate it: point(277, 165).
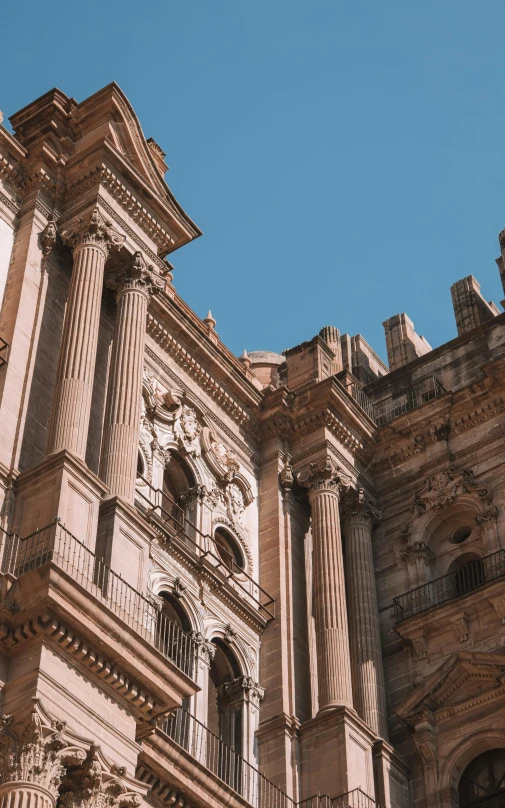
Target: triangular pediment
point(464, 677)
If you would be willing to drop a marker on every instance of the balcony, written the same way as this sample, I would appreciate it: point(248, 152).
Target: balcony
point(406, 400)
point(456, 584)
point(191, 747)
point(54, 545)
point(194, 546)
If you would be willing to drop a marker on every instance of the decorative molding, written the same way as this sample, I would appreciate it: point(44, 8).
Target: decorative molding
point(417, 550)
point(443, 489)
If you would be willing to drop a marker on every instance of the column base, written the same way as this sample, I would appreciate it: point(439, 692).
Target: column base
point(336, 752)
point(123, 541)
point(391, 776)
point(60, 486)
point(278, 751)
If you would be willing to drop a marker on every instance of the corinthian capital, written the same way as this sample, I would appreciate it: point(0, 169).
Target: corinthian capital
point(94, 229)
point(137, 275)
point(358, 508)
point(323, 476)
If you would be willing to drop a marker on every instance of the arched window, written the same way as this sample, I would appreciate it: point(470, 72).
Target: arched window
point(225, 715)
point(141, 466)
point(467, 573)
point(177, 479)
point(170, 619)
point(482, 784)
point(228, 550)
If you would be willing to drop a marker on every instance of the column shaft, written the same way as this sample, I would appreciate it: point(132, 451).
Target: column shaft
point(365, 642)
point(118, 464)
point(92, 239)
point(76, 367)
point(330, 610)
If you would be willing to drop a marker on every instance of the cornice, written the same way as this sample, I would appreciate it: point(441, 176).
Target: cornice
point(141, 700)
point(198, 372)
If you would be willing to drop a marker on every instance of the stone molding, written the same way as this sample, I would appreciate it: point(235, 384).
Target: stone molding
point(442, 490)
point(86, 654)
point(94, 229)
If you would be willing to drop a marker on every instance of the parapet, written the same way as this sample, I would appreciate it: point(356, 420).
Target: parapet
point(311, 361)
point(470, 308)
point(402, 343)
point(360, 359)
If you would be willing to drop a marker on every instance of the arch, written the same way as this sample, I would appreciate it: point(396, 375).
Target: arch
point(175, 611)
point(466, 507)
point(482, 782)
point(160, 582)
point(225, 708)
point(463, 753)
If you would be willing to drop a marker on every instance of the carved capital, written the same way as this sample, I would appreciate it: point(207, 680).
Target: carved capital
point(94, 229)
point(136, 276)
point(35, 753)
point(244, 688)
point(358, 509)
point(92, 786)
point(323, 476)
point(206, 649)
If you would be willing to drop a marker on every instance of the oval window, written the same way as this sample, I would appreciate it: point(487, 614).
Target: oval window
point(228, 550)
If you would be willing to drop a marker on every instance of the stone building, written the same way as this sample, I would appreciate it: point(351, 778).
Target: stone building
point(268, 581)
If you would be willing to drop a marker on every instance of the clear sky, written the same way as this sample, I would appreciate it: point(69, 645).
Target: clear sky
point(345, 159)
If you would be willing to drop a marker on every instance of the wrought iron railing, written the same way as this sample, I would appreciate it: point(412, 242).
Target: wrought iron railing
point(227, 764)
point(363, 400)
point(170, 517)
point(471, 576)
point(407, 399)
point(55, 544)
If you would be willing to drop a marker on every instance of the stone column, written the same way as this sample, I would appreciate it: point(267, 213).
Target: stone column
point(364, 631)
point(32, 761)
point(324, 482)
point(92, 240)
point(118, 461)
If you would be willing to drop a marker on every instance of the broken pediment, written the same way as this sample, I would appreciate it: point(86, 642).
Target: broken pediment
point(463, 678)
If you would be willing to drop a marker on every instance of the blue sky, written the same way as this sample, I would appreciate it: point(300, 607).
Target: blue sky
point(345, 160)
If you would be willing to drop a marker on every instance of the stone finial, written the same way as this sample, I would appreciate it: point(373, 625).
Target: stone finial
point(1, 116)
point(470, 308)
point(244, 359)
point(402, 343)
point(209, 320)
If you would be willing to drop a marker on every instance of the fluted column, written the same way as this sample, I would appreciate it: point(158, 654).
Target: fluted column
point(92, 239)
point(364, 631)
point(324, 482)
point(118, 461)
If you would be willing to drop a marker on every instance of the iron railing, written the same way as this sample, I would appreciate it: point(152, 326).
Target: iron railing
point(227, 764)
point(170, 517)
point(363, 400)
point(471, 576)
point(55, 544)
point(407, 399)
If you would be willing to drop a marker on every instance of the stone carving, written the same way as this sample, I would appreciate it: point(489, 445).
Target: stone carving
point(227, 458)
point(135, 275)
point(229, 633)
point(91, 786)
point(206, 648)
point(286, 477)
point(324, 475)
point(48, 237)
point(36, 754)
point(443, 489)
point(178, 588)
point(418, 550)
point(187, 430)
point(235, 502)
point(244, 688)
point(358, 507)
point(94, 229)
point(487, 517)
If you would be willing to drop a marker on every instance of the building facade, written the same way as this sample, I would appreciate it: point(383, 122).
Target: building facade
point(269, 581)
